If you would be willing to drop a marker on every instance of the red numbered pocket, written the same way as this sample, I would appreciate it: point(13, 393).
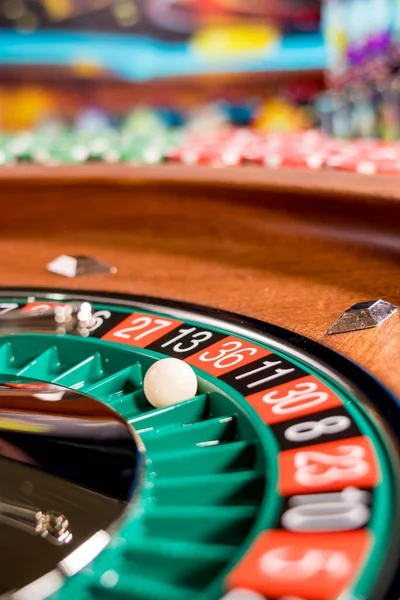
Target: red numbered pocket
point(40, 306)
point(314, 566)
point(297, 398)
point(328, 467)
point(140, 330)
point(226, 355)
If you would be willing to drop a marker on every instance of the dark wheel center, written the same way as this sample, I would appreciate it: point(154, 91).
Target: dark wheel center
point(69, 465)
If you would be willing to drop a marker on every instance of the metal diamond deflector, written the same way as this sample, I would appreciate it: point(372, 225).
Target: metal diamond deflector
point(73, 266)
point(363, 315)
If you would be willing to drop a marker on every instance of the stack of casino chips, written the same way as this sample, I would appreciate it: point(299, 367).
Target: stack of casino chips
point(145, 136)
point(208, 138)
point(308, 150)
point(134, 143)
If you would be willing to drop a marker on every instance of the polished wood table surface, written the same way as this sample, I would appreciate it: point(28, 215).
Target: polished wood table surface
point(290, 247)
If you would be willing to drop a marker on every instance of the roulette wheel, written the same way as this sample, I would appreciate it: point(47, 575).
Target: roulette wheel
point(277, 476)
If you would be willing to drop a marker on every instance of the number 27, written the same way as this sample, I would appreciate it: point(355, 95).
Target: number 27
point(142, 323)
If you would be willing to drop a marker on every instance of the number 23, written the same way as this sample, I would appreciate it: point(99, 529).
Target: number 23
point(317, 468)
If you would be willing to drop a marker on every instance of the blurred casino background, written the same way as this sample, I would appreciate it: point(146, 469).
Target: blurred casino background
point(168, 67)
